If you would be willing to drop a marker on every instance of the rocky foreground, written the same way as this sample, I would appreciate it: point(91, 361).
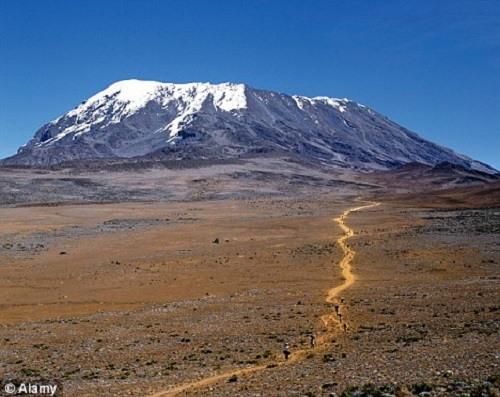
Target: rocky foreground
point(221, 286)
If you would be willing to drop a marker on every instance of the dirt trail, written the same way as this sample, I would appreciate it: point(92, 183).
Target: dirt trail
point(345, 265)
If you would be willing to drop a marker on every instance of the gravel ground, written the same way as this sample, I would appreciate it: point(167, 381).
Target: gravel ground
point(422, 314)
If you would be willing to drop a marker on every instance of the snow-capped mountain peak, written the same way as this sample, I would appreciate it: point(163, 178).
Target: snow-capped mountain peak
point(137, 93)
point(125, 98)
point(134, 118)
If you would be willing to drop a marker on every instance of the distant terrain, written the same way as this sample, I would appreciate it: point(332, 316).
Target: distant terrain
point(141, 121)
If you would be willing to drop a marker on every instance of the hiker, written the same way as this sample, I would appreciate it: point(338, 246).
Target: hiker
point(345, 327)
point(340, 317)
point(336, 307)
point(313, 341)
point(287, 352)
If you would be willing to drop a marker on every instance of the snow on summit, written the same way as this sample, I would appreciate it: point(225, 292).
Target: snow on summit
point(339, 104)
point(127, 97)
point(136, 94)
point(150, 119)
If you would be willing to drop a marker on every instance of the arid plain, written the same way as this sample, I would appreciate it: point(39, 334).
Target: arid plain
point(197, 295)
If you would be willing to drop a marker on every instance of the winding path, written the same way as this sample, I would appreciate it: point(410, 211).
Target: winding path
point(345, 265)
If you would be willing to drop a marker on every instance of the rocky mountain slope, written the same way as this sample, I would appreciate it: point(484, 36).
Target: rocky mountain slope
point(422, 177)
point(150, 120)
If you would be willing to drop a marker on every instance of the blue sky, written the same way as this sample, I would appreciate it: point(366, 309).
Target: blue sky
point(431, 66)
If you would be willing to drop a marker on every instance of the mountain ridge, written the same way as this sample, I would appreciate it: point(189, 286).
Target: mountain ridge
point(146, 119)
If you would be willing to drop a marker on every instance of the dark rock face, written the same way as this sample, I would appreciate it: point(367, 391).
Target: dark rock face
point(150, 120)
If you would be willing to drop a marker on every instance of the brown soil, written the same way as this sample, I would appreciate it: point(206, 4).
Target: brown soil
point(138, 299)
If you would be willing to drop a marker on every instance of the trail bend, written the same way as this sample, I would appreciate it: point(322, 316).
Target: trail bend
point(349, 279)
point(345, 263)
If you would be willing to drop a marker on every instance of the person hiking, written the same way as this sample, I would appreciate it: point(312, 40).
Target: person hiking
point(336, 307)
point(345, 327)
point(287, 351)
point(340, 317)
point(313, 341)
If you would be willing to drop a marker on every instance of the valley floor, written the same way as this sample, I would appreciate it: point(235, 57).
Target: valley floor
point(136, 298)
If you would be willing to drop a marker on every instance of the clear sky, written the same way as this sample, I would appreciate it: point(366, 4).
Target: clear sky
point(431, 66)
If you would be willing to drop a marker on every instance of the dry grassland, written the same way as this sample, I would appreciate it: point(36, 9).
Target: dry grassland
point(136, 298)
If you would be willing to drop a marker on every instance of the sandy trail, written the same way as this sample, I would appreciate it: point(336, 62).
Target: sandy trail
point(345, 265)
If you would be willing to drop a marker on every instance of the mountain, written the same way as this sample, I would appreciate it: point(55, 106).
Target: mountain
point(477, 196)
point(423, 177)
point(147, 120)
